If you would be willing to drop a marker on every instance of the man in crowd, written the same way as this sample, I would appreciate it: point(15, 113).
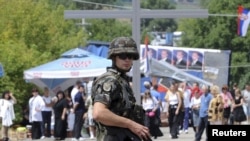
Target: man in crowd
point(203, 113)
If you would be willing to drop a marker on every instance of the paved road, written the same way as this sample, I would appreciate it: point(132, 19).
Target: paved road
point(165, 130)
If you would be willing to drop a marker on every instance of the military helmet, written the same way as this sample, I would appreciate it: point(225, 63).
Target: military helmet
point(123, 45)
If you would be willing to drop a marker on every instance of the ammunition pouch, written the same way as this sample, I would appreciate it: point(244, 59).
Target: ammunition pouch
point(137, 114)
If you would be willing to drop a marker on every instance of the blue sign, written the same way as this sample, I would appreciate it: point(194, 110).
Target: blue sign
point(169, 39)
point(1, 70)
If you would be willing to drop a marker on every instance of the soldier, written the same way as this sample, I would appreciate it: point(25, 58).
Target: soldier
point(117, 116)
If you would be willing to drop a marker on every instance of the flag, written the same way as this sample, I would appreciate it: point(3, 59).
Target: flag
point(162, 88)
point(146, 46)
point(240, 9)
point(146, 63)
point(243, 21)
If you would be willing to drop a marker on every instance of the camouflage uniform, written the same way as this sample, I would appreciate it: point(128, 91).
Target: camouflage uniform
point(113, 90)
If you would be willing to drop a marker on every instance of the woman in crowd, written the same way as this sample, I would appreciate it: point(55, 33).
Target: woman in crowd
point(227, 100)
point(216, 107)
point(237, 108)
point(60, 113)
point(7, 113)
point(174, 102)
point(195, 107)
point(150, 104)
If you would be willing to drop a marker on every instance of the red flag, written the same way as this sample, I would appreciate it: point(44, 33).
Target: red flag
point(146, 46)
point(146, 63)
point(240, 10)
point(162, 88)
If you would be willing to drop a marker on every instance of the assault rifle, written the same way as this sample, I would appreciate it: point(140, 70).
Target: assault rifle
point(122, 134)
point(137, 114)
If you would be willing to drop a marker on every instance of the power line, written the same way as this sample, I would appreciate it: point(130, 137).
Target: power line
point(223, 15)
point(108, 5)
point(236, 66)
point(125, 7)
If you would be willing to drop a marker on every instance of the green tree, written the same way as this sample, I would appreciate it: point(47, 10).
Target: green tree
point(40, 27)
point(160, 25)
point(99, 29)
point(220, 32)
point(107, 29)
point(204, 3)
point(32, 33)
point(157, 25)
point(104, 29)
point(68, 4)
point(15, 56)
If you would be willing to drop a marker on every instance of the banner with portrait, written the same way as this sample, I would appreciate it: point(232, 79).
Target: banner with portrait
point(202, 63)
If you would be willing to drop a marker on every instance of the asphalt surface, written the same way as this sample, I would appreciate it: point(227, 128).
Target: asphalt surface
point(182, 137)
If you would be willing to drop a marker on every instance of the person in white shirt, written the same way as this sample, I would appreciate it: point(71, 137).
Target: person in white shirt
point(75, 90)
point(246, 99)
point(174, 102)
point(186, 101)
point(150, 104)
point(46, 114)
point(36, 105)
point(7, 112)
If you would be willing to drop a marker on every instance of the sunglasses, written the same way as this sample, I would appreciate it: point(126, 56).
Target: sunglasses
point(125, 56)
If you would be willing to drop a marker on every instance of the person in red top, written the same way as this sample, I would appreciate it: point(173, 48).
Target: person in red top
point(194, 89)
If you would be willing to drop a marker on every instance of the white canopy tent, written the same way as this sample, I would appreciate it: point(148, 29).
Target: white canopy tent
point(73, 65)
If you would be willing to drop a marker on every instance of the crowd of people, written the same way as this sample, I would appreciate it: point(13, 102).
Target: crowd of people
point(47, 113)
point(198, 106)
point(53, 116)
point(205, 105)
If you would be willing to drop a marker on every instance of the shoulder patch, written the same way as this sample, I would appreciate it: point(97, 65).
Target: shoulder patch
point(106, 87)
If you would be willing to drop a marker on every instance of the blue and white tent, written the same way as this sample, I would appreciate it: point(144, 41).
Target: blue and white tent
point(62, 73)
